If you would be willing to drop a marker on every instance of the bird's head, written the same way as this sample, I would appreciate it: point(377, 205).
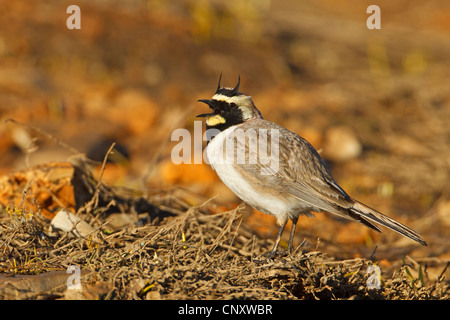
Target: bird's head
point(229, 107)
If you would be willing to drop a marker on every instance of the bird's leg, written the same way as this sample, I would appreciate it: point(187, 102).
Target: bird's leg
point(277, 241)
point(291, 237)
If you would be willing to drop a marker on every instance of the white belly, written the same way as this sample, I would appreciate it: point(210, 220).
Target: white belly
point(263, 201)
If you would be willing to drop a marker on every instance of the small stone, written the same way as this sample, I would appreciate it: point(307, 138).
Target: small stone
point(341, 144)
point(68, 222)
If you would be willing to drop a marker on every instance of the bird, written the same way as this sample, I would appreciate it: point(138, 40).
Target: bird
point(291, 182)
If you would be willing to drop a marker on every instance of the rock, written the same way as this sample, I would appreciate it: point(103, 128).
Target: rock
point(443, 212)
point(29, 286)
point(341, 144)
point(45, 188)
point(118, 221)
point(129, 104)
point(188, 175)
point(355, 233)
point(405, 145)
point(68, 222)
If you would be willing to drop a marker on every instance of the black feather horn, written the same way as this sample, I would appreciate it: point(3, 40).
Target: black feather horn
point(207, 101)
point(218, 86)
point(236, 89)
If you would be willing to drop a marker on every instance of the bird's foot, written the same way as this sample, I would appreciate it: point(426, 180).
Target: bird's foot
point(270, 256)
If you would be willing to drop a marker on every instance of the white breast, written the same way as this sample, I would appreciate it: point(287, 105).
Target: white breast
point(226, 170)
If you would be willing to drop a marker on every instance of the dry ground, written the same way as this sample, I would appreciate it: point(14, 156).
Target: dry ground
point(165, 248)
point(132, 75)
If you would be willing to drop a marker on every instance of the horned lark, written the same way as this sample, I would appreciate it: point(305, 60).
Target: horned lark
point(288, 179)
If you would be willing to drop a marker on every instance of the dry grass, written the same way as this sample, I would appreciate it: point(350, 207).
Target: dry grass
point(309, 66)
point(194, 254)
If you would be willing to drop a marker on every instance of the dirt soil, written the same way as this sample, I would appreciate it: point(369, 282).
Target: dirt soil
point(86, 122)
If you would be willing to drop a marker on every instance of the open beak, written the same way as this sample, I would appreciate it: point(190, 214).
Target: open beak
point(204, 115)
point(210, 104)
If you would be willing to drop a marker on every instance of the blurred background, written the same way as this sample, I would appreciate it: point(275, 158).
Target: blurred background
point(375, 102)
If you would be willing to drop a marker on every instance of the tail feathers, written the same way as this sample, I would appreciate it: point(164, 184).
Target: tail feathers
point(367, 215)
